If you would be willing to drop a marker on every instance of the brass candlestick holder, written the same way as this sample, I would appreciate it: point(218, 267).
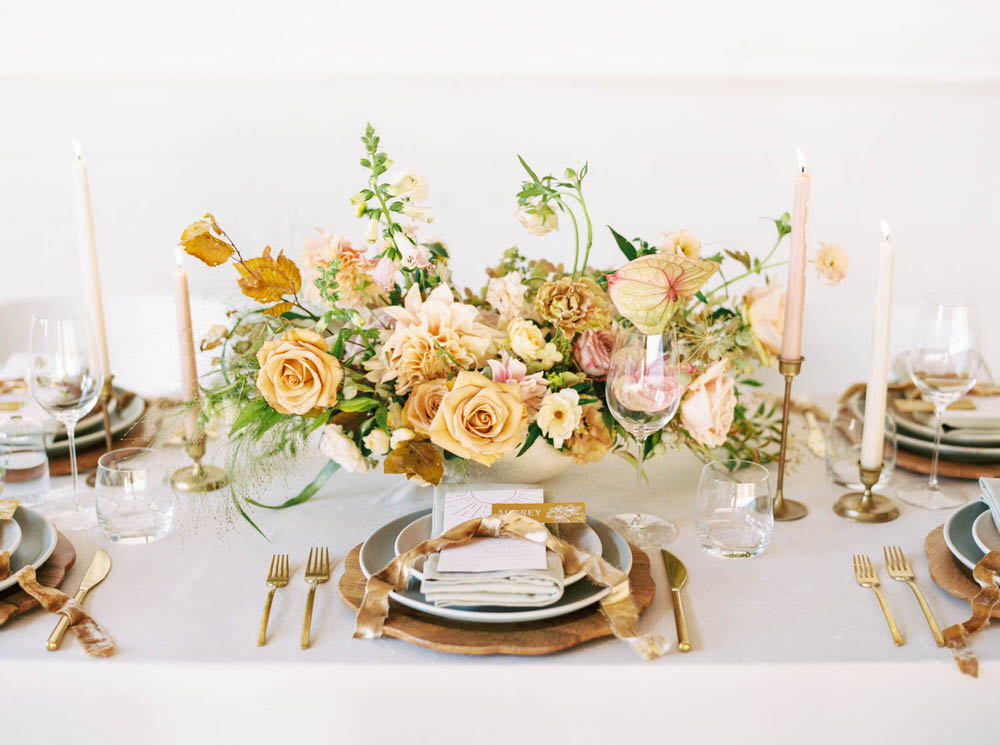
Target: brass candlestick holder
point(786, 509)
point(864, 506)
point(199, 477)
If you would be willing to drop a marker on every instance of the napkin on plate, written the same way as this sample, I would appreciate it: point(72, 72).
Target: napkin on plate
point(528, 588)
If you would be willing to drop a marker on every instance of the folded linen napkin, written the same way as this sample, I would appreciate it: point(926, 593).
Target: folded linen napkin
point(529, 588)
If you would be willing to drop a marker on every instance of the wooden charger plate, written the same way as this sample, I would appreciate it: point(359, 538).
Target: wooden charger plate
point(947, 573)
point(532, 638)
point(952, 469)
point(50, 574)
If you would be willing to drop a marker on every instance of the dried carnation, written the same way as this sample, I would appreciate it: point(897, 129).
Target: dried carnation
point(574, 305)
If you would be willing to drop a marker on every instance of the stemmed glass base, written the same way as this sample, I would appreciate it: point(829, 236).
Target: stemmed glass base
point(64, 509)
point(931, 497)
point(643, 530)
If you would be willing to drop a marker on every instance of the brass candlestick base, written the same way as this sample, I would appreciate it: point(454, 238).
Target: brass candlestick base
point(786, 509)
point(198, 478)
point(864, 506)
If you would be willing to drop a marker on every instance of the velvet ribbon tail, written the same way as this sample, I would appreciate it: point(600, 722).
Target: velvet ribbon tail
point(988, 598)
point(95, 640)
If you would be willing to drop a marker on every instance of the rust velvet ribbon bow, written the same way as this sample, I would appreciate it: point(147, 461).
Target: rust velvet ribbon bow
point(617, 606)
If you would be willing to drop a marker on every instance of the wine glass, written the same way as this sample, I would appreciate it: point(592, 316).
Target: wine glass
point(643, 393)
point(944, 357)
point(65, 378)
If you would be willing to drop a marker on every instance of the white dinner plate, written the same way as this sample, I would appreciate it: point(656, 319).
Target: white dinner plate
point(985, 533)
point(982, 446)
point(38, 541)
point(578, 535)
point(379, 550)
point(10, 535)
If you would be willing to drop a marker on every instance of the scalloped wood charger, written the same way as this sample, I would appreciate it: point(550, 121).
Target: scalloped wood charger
point(533, 638)
point(946, 572)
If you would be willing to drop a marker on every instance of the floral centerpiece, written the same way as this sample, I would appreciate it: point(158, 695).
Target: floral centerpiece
point(372, 344)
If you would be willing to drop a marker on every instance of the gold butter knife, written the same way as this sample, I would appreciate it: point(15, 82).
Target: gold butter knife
point(98, 570)
point(676, 577)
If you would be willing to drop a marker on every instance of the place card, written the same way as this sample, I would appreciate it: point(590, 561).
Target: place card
point(550, 512)
point(488, 554)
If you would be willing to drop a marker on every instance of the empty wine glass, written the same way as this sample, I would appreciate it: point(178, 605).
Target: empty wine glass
point(65, 378)
point(943, 361)
point(643, 393)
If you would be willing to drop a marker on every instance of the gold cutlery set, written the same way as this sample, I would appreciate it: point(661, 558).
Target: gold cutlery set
point(317, 572)
point(899, 569)
point(676, 577)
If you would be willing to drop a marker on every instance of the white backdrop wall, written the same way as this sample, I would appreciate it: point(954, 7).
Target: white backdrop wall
point(689, 118)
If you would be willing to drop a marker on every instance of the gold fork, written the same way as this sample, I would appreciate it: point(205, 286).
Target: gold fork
point(317, 571)
point(277, 576)
point(899, 569)
point(866, 577)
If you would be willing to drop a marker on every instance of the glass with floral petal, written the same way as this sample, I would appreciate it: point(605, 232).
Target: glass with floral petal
point(643, 392)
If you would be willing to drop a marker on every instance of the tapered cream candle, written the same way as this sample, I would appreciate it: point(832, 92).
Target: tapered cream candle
point(873, 435)
point(185, 340)
point(88, 253)
point(791, 338)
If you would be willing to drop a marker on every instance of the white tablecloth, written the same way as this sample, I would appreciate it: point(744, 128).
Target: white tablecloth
point(787, 648)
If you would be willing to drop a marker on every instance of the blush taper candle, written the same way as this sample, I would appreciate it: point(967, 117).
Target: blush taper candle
point(791, 338)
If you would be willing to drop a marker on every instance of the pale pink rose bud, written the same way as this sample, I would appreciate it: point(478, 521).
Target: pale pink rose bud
point(592, 352)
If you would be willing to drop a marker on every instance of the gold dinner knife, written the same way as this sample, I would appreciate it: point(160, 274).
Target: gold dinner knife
point(99, 568)
point(677, 576)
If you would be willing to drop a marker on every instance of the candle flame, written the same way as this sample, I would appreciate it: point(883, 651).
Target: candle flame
point(885, 230)
point(77, 150)
point(801, 158)
point(179, 256)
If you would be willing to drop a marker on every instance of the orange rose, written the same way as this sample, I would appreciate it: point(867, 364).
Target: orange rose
point(297, 373)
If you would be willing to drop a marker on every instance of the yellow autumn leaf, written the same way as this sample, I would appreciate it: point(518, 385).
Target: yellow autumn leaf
point(202, 240)
point(267, 280)
point(416, 458)
point(277, 310)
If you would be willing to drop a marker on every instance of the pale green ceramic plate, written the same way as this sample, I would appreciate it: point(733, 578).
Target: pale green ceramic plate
point(379, 550)
point(958, 534)
point(38, 541)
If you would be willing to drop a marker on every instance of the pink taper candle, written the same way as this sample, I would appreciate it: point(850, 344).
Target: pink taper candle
point(185, 340)
point(791, 338)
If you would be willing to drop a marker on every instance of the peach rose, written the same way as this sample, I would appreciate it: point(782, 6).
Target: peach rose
point(707, 407)
point(766, 314)
point(297, 373)
point(592, 352)
point(423, 404)
point(479, 419)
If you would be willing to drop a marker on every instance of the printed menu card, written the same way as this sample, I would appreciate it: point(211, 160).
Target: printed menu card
point(488, 554)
